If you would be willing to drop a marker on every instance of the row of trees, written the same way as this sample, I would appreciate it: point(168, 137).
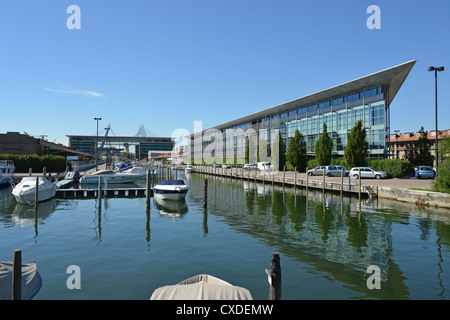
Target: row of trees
point(354, 154)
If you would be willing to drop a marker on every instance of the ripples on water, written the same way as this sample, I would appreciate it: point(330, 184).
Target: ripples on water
point(325, 245)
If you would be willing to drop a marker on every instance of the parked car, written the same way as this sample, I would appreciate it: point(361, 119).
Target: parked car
point(424, 172)
point(264, 166)
point(226, 166)
point(215, 165)
point(367, 172)
point(335, 171)
point(317, 171)
point(249, 166)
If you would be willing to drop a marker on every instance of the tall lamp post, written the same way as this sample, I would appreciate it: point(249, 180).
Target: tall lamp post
point(435, 97)
point(96, 146)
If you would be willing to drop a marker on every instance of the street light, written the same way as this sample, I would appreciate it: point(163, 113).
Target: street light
point(435, 97)
point(96, 147)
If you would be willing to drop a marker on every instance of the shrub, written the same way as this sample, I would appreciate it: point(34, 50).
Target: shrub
point(396, 168)
point(312, 164)
point(442, 183)
point(37, 163)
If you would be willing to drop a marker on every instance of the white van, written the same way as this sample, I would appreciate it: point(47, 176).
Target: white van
point(264, 166)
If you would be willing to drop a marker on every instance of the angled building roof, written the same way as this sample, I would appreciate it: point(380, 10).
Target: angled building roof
point(392, 78)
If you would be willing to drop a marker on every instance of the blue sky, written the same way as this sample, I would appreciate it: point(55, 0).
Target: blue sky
point(165, 64)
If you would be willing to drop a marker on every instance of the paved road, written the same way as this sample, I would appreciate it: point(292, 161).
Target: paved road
point(395, 182)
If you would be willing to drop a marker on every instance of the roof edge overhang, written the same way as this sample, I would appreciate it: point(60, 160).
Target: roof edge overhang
point(392, 78)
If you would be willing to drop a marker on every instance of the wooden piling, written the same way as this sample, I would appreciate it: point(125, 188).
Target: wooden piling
point(359, 191)
point(295, 178)
point(323, 181)
point(342, 181)
point(307, 179)
point(36, 194)
point(30, 171)
point(205, 193)
point(284, 175)
point(99, 193)
point(275, 278)
point(17, 276)
point(44, 172)
point(147, 195)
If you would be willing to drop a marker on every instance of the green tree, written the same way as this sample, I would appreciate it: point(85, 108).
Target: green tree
point(422, 154)
point(324, 147)
point(247, 152)
point(357, 146)
point(442, 183)
point(296, 152)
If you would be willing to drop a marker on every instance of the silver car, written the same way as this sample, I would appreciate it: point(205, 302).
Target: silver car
point(367, 172)
point(317, 171)
point(335, 171)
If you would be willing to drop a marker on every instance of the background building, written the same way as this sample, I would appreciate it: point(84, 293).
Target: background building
point(402, 142)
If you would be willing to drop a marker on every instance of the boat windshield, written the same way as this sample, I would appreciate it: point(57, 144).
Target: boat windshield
point(103, 172)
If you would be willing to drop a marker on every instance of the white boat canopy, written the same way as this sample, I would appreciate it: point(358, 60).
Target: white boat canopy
point(202, 287)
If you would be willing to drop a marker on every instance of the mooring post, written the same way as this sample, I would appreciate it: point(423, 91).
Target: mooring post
point(205, 193)
point(17, 276)
point(284, 175)
point(30, 171)
point(44, 172)
point(359, 192)
point(99, 192)
point(323, 181)
point(307, 179)
point(147, 195)
point(342, 181)
point(274, 275)
point(295, 178)
point(36, 194)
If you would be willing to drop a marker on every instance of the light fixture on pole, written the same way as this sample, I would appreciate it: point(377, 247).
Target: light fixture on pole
point(96, 146)
point(436, 117)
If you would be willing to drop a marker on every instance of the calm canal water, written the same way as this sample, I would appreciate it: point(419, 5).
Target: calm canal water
point(325, 245)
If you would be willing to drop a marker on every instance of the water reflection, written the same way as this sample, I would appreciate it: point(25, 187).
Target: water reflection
point(172, 209)
point(340, 238)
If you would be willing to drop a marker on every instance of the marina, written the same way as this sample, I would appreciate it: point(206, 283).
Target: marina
point(326, 242)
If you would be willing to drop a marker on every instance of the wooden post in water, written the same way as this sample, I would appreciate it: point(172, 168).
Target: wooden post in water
point(44, 172)
point(342, 181)
point(295, 178)
point(36, 194)
point(307, 179)
point(147, 195)
point(359, 192)
point(30, 171)
point(99, 193)
point(205, 193)
point(323, 182)
point(274, 275)
point(284, 175)
point(17, 276)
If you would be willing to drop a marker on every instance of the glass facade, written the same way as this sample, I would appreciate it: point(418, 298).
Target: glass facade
point(340, 114)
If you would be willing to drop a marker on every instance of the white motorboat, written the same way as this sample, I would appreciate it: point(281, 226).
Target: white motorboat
point(170, 190)
point(111, 176)
point(202, 287)
point(188, 168)
point(7, 170)
point(136, 170)
point(25, 191)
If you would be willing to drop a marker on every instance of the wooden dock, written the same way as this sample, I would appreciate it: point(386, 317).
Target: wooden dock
point(93, 193)
point(268, 178)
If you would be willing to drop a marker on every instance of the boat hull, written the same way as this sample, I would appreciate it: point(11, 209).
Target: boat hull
point(111, 179)
point(169, 194)
point(28, 196)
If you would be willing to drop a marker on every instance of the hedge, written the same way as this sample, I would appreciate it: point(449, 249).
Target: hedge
point(396, 168)
point(37, 163)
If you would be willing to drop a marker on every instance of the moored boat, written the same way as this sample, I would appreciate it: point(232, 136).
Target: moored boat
point(202, 287)
point(170, 190)
point(112, 176)
point(7, 170)
point(25, 191)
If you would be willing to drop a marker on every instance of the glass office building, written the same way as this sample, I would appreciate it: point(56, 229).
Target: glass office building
point(367, 99)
